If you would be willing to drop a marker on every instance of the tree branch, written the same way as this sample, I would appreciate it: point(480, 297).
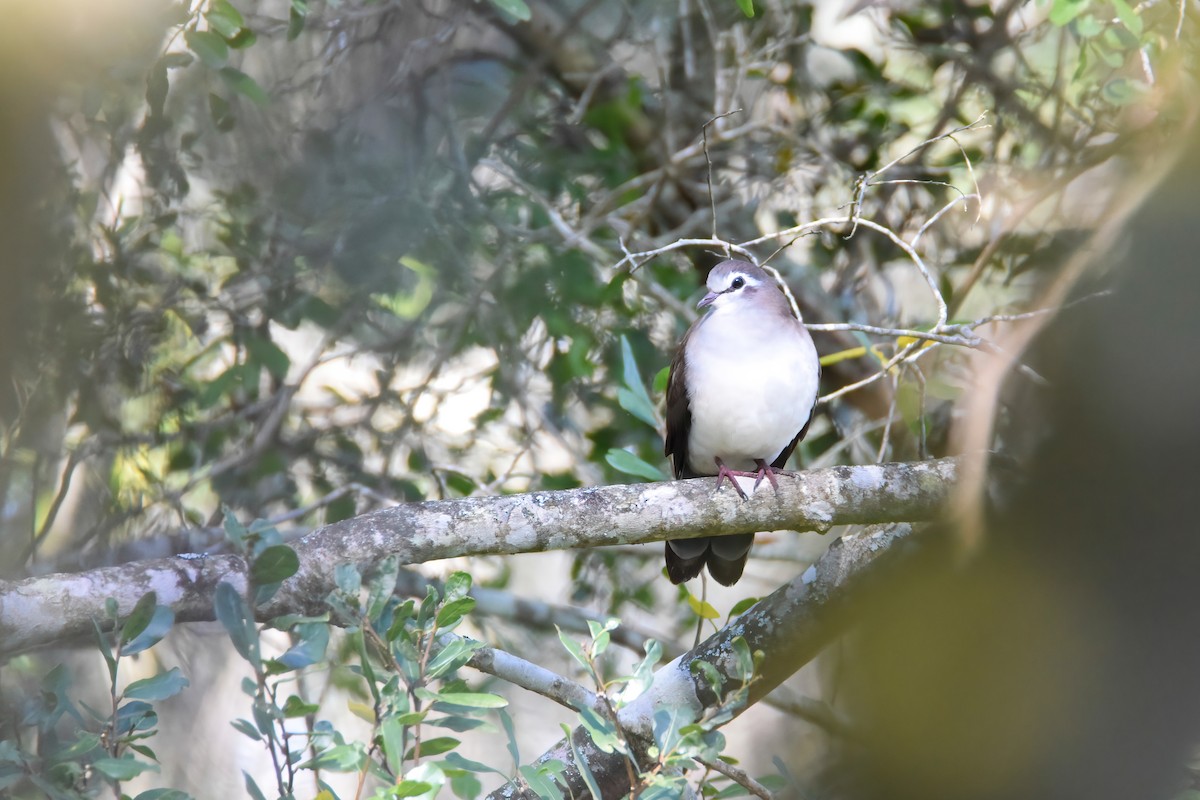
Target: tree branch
point(790, 626)
point(46, 609)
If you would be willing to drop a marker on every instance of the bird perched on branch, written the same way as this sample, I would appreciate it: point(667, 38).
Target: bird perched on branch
point(741, 393)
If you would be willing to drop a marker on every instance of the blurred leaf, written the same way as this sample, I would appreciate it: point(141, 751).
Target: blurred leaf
point(627, 462)
point(742, 606)
point(514, 8)
point(472, 699)
point(702, 608)
point(457, 761)
point(540, 783)
point(160, 687)
point(408, 788)
point(210, 47)
point(246, 86)
point(1128, 17)
point(122, 769)
point(632, 396)
point(295, 707)
point(314, 639)
point(661, 378)
point(747, 7)
point(223, 18)
point(295, 23)
point(252, 787)
point(234, 614)
point(744, 659)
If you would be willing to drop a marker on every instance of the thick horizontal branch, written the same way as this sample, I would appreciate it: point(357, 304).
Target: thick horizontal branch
point(790, 627)
point(50, 608)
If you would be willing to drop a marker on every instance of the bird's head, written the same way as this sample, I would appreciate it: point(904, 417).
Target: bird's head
point(732, 283)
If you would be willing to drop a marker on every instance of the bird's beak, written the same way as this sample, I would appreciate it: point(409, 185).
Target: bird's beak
point(707, 300)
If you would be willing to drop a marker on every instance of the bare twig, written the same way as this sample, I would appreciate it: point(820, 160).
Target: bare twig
point(738, 776)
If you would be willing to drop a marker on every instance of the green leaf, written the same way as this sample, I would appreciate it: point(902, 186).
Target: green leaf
point(747, 7)
point(408, 788)
point(392, 733)
point(243, 39)
point(702, 608)
point(1063, 11)
point(511, 733)
point(514, 8)
point(105, 651)
point(314, 639)
point(457, 585)
point(122, 769)
point(632, 396)
point(573, 647)
point(224, 18)
point(247, 727)
point(1127, 16)
point(472, 699)
point(163, 794)
point(295, 23)
point(465, 786)
point(451, 657)
point(626, 462)
point(543, 786)
point(294, 707)
point(262, 349)
point(234, 614)
point(160, 624)
point(139, 618)
point(601, 730)
point(252, 787)
point(742, 606)
point(434, 747)
point(210, 47)
point(711, 675)
point(246, 86)
point(431, 773)
point(274, 565)
point(588, 778)
point(458, 761)
point(661, 379)
point(160, 687)
point(348, 578)
point(450, 614)
point(745, 659)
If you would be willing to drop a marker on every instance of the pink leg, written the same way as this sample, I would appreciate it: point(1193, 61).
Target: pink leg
point(765, 471)
point(725, 473)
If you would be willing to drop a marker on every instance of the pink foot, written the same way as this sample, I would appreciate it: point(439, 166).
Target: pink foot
point(765, 471)
point(725, 473)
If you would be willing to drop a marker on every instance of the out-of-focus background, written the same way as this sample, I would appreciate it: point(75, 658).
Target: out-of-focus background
point(301, 260)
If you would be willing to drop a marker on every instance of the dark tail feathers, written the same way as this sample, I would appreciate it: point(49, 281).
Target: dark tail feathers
point(725, 556)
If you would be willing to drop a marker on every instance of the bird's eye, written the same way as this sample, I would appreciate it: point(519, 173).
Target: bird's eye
point(738, 282)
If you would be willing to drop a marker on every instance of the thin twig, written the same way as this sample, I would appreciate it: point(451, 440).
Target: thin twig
point(704, 142)
point(738, 776)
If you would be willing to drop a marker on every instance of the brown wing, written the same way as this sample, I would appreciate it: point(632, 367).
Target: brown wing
point(684, 559)
point(679, 415)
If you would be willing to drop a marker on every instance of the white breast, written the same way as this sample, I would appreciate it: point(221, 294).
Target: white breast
point(752, 381)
